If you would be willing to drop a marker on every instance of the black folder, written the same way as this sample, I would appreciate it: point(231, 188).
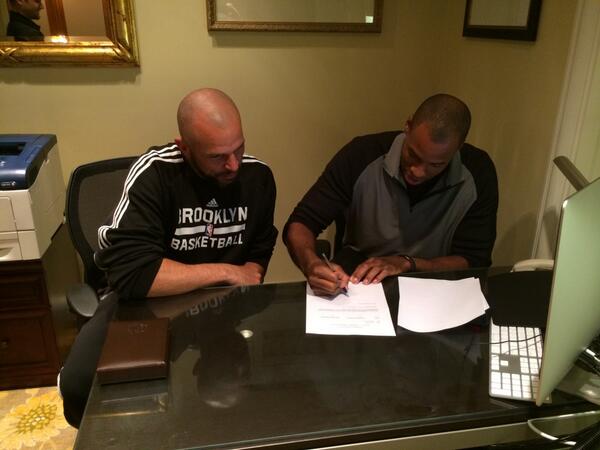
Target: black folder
point(520, 298)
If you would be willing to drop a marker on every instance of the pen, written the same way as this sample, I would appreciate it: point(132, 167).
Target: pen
point(326, 259)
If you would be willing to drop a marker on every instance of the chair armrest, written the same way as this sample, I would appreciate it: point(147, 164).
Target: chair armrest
point(82, 300)
point(533, 264)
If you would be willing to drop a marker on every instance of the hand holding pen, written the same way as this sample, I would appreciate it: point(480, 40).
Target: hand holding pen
point(341, 277)
point(324, 277)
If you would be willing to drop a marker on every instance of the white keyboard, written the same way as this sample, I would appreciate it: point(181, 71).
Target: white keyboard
point(515, 360)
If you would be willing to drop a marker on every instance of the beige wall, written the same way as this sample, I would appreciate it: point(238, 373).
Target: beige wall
point(84, 17)
point(513, 89)
point(303, 95)
point(3, 17)
point(43, 21)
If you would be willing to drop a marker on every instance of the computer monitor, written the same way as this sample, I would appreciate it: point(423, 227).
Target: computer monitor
point(574, 312)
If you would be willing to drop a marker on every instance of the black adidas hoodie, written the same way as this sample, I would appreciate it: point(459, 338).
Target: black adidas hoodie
point(168, 211)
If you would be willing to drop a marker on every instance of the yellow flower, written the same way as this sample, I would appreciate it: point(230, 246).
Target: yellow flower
point(38, 419)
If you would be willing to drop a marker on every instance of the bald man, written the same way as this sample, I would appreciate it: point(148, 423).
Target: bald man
point(194, 213)
point(420, 199)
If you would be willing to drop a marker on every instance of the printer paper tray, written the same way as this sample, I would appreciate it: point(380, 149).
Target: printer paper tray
point(10, 250)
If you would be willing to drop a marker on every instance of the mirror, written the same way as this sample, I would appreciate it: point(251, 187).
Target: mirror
point(71, 32)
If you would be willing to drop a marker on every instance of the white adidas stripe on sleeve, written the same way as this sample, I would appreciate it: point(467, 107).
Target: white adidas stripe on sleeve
point(170, 154)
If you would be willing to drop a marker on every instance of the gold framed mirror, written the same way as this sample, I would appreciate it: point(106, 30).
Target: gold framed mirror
point(117, 47)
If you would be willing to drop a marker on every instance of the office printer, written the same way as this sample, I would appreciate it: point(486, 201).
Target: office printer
point(32, 195)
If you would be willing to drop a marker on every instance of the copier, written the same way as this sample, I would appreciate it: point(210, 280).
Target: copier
point(32, 195)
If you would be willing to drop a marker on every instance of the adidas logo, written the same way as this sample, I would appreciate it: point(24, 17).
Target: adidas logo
point(212, 204)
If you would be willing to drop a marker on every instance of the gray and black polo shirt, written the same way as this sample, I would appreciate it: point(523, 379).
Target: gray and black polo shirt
point(363, 185)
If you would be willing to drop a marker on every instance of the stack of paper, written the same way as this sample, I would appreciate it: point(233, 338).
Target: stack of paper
point(428, 305)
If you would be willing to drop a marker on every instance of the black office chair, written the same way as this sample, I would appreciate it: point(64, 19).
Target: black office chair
point(323, 246)
point(94, 190)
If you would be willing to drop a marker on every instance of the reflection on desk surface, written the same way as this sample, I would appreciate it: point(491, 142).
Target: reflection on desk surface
point(244, 371)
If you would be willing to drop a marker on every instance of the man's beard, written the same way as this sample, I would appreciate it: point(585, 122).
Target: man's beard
point(226, 179)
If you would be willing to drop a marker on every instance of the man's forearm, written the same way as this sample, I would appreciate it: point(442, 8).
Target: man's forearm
point(300, 242)
point(176, 278)
point(324, 278)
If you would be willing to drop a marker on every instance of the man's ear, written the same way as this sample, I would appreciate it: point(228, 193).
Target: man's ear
point(182, 146)
point(408, 124)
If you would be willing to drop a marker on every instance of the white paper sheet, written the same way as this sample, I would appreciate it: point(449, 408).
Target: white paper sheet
point(431, 305)
point(364, 311)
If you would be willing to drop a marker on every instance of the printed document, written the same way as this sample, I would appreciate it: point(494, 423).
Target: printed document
point(363, 311)
point(431, 305)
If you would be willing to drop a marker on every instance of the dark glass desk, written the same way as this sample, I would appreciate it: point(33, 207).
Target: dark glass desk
point(244, 373)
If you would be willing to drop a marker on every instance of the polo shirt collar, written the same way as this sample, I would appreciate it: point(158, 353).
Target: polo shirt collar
point(391, 164)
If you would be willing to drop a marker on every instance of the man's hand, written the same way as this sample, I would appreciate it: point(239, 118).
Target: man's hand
point(373, 270)
point(248, 274)
point(325, 281)
point(301, 245)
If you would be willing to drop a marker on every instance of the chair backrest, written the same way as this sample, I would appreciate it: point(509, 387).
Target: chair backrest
point(340, 229)
point(324, 247)
point(93, 192)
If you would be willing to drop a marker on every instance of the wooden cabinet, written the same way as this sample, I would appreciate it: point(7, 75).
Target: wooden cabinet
point(28, 352)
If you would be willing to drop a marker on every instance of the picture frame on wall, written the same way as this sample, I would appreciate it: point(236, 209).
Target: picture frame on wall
point(502, 19)
point(356, 16)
